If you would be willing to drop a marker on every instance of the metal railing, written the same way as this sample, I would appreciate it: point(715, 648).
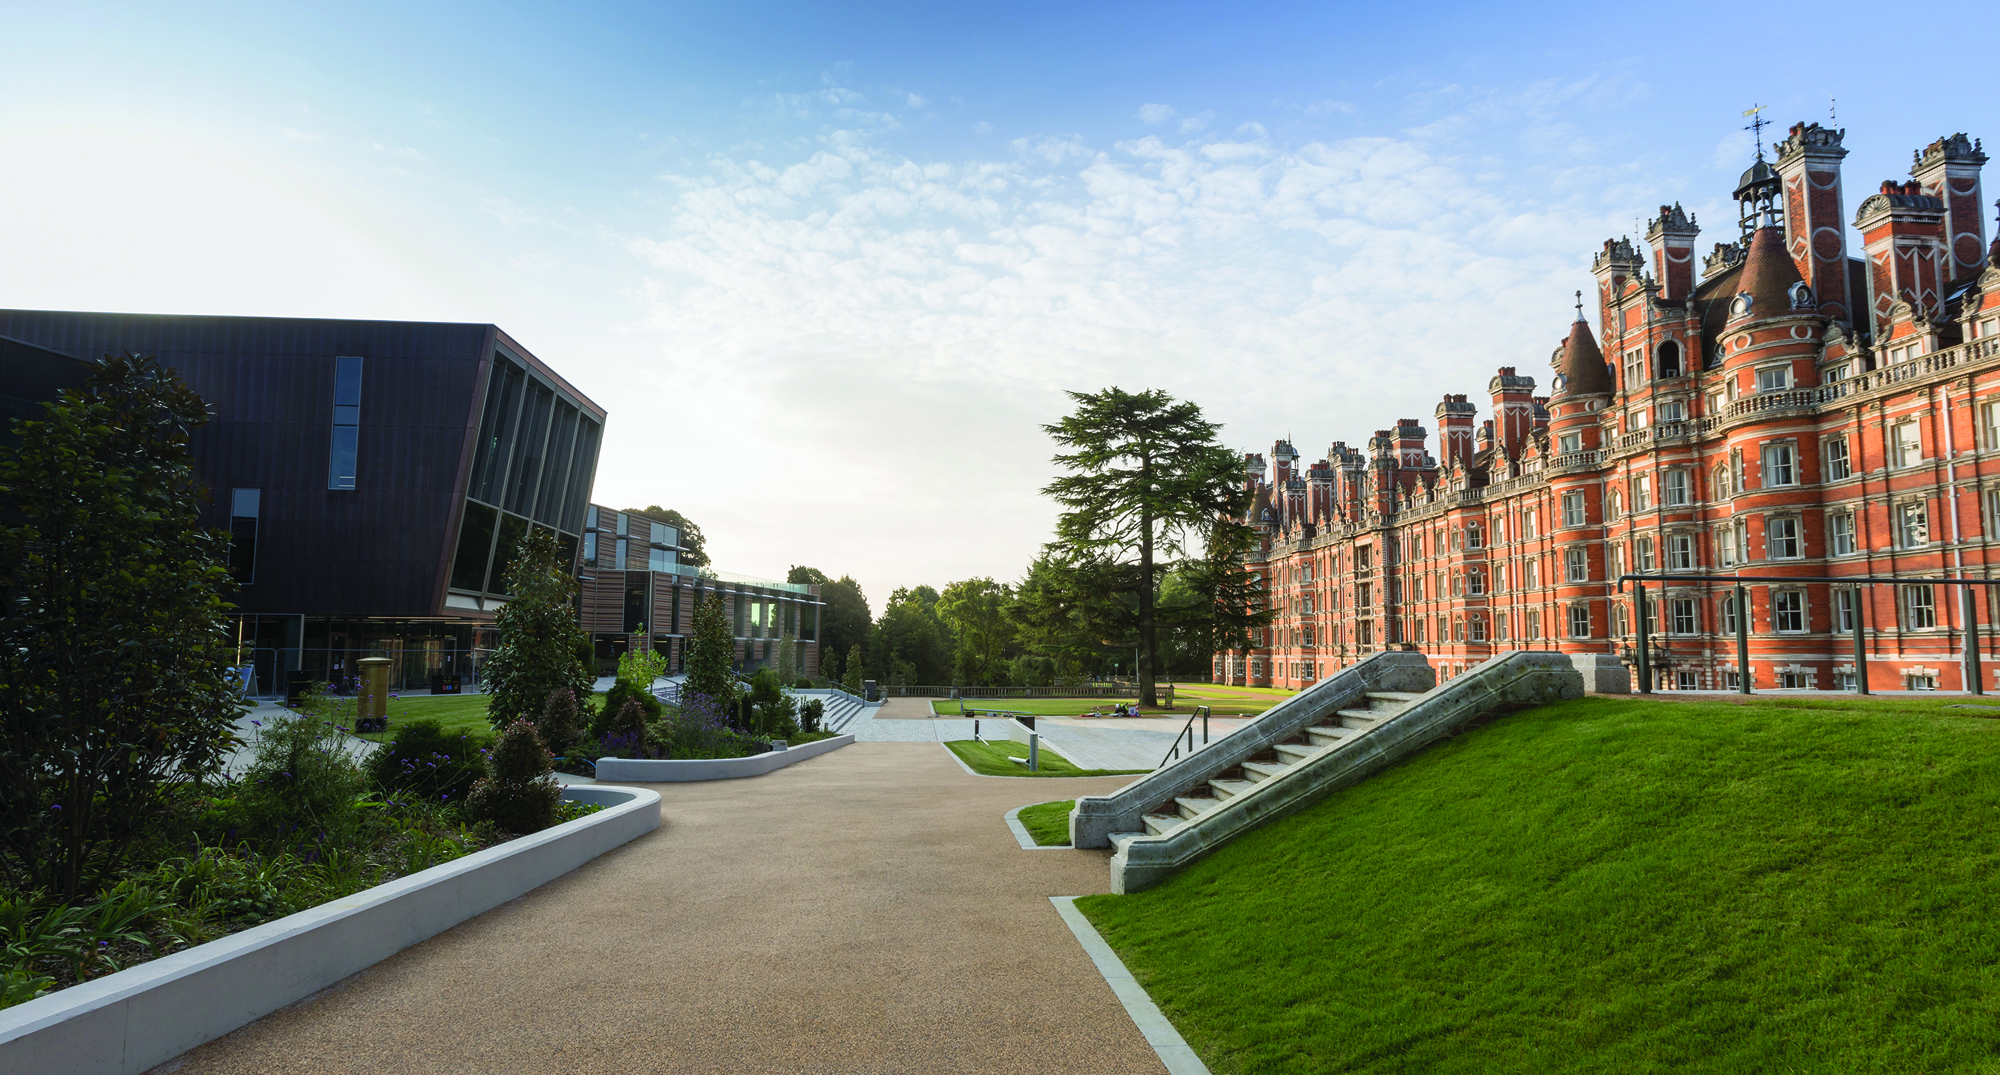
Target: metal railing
point(1969, 642)
point(1187, 732)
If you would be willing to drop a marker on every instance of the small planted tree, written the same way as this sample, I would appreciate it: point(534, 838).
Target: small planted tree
point(541, 644)
point(561, 720)
point(853, 680)
point(521, 795)
point(710, 652)
point(114, 648)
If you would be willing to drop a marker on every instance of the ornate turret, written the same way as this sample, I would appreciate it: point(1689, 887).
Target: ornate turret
point(1579, 364)
point(1770, 285)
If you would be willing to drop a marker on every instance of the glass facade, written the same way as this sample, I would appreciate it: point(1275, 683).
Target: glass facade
point(536, 454)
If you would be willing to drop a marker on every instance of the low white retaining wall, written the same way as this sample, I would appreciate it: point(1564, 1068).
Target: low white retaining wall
point(124, 1023)
point(677, 770)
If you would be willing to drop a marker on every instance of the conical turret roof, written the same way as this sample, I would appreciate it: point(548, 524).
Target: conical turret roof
point(1581, 366)
point(1768, 277)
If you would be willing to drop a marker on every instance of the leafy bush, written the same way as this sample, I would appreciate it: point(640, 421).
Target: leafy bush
point(610, 715)
point(521, 795)
point(811, 712)
point(640, 667)
point(114, 649)
point(421, 761)
point(302, 783)
point(561, 720)
point(542, 647)
point(772, 708)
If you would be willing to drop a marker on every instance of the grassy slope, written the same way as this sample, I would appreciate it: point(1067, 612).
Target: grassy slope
point(988, 758)
point(1608, 886)
point(1048, 823)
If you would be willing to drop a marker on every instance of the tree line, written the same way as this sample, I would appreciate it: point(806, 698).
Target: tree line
point(1144, 576)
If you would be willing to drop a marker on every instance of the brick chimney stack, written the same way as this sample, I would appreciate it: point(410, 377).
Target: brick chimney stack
point(1513, 409)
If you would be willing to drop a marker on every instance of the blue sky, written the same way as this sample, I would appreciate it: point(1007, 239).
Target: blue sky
point(831, 265)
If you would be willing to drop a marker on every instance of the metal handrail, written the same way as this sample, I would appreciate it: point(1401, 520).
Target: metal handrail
point(1187, 731)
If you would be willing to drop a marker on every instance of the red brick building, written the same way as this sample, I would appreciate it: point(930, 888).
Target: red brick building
point(1796, 410)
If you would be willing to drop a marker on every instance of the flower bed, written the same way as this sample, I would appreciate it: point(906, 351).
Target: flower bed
point(127, 1022)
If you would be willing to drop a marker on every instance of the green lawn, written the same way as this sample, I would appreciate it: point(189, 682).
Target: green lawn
point(456, 712)
point(990, 759)
point(1048, 823)
point(1609, 886)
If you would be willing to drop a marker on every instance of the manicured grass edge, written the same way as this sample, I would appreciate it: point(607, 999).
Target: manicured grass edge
point(1043, 825)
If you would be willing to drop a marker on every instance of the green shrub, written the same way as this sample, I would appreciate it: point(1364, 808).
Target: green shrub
point(520, 796)
point(302, 784)
point(561, 720)
point(811, 712)
point(610, 720)
point(423, 762)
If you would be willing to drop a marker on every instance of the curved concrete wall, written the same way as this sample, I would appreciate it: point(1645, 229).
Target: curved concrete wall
point(125, 1023)
point(677, 770)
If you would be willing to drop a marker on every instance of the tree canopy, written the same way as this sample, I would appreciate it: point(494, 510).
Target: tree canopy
point(114, 646)
point(542, 647)
point(1149, 489)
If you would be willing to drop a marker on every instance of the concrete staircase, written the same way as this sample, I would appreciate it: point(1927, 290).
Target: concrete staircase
point(1327, 737)
point(841, 707)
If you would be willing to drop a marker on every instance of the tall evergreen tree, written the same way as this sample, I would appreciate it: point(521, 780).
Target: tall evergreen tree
point(114, 647)
point(1148, 488)
point(542, 648)
point(710, 652)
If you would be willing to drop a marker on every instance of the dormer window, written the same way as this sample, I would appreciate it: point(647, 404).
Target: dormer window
point(1740, 305)
point(1774, 378)
point(1802, 296)
point(1670, 359)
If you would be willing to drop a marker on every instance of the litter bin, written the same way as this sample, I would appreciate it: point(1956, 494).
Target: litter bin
point(870, 691)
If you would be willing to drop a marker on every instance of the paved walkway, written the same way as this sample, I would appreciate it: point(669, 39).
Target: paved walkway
point(1106, 743)
point(864, 911)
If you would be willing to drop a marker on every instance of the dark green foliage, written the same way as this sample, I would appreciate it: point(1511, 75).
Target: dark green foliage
point(771, 707)
point(520, 796)
point(811, 712)
point(540, 640)
point(302, 786)
point(974, 612)
point(423, 762)
point(623, 709)
point(853, 678)
point(561, 720)
point(711, 650)
point(114, 651)
point(911, 644)
point(1149, 489)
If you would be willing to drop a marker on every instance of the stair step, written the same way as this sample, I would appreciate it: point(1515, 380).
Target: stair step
point(1294, 753)
point(1259, 771)
point(1395, 696)
point(1229, 789)
point(1120, 839)
point(1194, 806)
point(1329, 735)
point(1160, 823)
point(1360, 718)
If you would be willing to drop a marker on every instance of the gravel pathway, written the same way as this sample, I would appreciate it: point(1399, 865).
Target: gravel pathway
point(865, 911)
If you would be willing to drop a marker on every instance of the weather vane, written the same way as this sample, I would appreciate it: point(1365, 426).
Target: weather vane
point(1756, 126)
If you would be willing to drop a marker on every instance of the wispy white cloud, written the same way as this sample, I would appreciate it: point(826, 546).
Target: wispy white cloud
point(1155, 113)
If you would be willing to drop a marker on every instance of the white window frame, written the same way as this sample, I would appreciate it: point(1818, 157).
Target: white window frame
point(1643, 556)
point(1788, 611)
point(1840, 533)
point(1579, 621)
point(1913, 524)
point(1683, 617)
point(1576, 563)
point(1839, 465)
point(1675, 489)
point(1906, 441)
point(1573, 510)
point(1782, 538)
point(1680, 552)
point(1918, 605)
point(1781, 464)
point(1774, 378)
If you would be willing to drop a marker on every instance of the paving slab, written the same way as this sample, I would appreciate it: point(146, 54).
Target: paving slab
point(865, 911)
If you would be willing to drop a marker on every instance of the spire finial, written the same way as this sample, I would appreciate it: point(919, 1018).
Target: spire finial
point(1832, 110)
point(1756, 127)
point(1579, 304)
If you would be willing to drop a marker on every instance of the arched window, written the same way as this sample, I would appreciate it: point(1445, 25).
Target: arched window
point(1722, 483)
point(1670, 359)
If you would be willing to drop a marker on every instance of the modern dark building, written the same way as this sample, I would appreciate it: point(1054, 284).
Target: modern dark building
point(636, 594)
point(375, 475)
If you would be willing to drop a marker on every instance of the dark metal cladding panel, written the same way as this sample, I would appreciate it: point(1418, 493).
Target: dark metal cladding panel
point(373, 551)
